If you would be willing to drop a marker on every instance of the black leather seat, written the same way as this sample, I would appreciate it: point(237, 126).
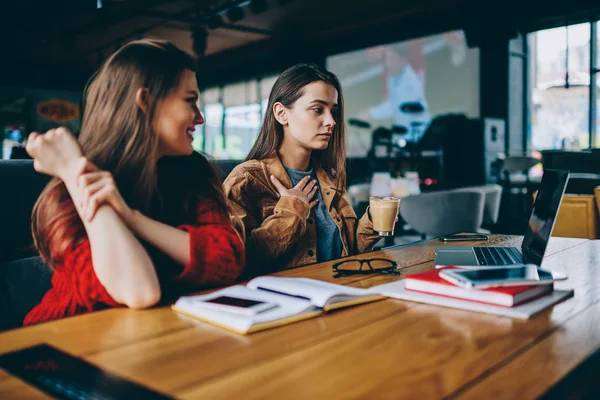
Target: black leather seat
point(20, 186)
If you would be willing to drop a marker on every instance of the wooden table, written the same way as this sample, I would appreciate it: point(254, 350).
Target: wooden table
point(386, 349)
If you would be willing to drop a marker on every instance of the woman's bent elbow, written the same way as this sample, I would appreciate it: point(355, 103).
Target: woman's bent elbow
point(143, 299)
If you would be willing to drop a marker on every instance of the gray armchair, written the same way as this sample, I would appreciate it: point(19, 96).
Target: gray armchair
point(493, 197)
point(444, 212)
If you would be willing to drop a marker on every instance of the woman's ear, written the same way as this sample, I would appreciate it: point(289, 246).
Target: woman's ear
point(281, 113)
point(141, 98)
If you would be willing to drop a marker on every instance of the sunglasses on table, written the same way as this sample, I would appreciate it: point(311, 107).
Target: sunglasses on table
point(369, 266)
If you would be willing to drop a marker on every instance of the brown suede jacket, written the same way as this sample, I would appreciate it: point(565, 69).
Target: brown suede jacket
point(281, 231)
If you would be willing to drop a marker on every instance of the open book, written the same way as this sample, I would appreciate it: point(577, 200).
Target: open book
point(295, 299)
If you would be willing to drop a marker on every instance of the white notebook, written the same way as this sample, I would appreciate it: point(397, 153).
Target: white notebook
point(397, 290)
point(295, 299)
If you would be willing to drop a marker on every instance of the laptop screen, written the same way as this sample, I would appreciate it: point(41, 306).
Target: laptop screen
point(545, 210)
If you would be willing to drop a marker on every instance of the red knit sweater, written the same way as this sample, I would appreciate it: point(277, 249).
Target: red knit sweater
point(217, 258)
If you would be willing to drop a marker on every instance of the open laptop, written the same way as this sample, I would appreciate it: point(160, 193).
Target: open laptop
point(539, 229)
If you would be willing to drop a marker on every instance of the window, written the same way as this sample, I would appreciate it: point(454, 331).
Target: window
point(266, 84)
point(209, 137)
point(242, 118)
point(595, 77)
point(233, 116)
point(561, 103)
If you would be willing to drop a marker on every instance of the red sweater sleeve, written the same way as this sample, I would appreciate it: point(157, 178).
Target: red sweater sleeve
point(88, 289)
point(75, 288)
point(217, 254)
point(217, 258)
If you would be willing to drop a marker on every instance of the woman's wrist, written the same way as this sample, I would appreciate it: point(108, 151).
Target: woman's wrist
point(70, 173)
point(130, 216)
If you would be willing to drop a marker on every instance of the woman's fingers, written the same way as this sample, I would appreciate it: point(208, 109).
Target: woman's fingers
point(90, 189)
point(313, 203)
point(31, 138)
point(303, 183)
point(304, 190)
point(31, 144)
point(61, 130)
point(88, 178)
point(310, 186)
point(96, 200)
point(97, 189)
point(33, 147)
point(310, 191)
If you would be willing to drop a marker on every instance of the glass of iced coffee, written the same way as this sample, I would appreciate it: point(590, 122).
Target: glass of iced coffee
point(383, 211)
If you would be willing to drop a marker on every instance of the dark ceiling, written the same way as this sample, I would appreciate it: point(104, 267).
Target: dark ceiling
point(60, 43)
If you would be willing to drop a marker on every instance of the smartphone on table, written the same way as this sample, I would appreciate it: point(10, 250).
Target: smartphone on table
point(236, 305)
point(519, 275)
point(466, 237)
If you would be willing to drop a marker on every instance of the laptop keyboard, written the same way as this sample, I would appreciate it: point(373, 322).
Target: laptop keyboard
point(498, 255)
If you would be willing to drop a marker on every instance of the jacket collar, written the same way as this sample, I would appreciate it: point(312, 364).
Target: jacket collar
point(273, 166)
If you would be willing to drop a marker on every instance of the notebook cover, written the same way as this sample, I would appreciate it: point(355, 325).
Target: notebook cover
point(511, 295)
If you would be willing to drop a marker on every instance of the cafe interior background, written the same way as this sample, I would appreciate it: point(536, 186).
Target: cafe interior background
point(440, 95)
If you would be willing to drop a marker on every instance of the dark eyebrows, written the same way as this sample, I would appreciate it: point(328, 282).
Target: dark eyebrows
point(323, 102)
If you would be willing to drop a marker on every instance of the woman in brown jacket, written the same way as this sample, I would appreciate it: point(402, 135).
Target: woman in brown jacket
point(290, 193)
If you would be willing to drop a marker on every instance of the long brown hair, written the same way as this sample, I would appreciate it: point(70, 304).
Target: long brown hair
point(117, 136)
point(288, 88)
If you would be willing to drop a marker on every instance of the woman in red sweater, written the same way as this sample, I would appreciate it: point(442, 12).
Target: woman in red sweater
point(133, 214)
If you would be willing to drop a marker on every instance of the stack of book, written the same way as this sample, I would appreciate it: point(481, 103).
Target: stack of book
point(511, 301)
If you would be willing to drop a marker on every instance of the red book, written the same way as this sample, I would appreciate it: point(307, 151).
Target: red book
point(431, 282)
